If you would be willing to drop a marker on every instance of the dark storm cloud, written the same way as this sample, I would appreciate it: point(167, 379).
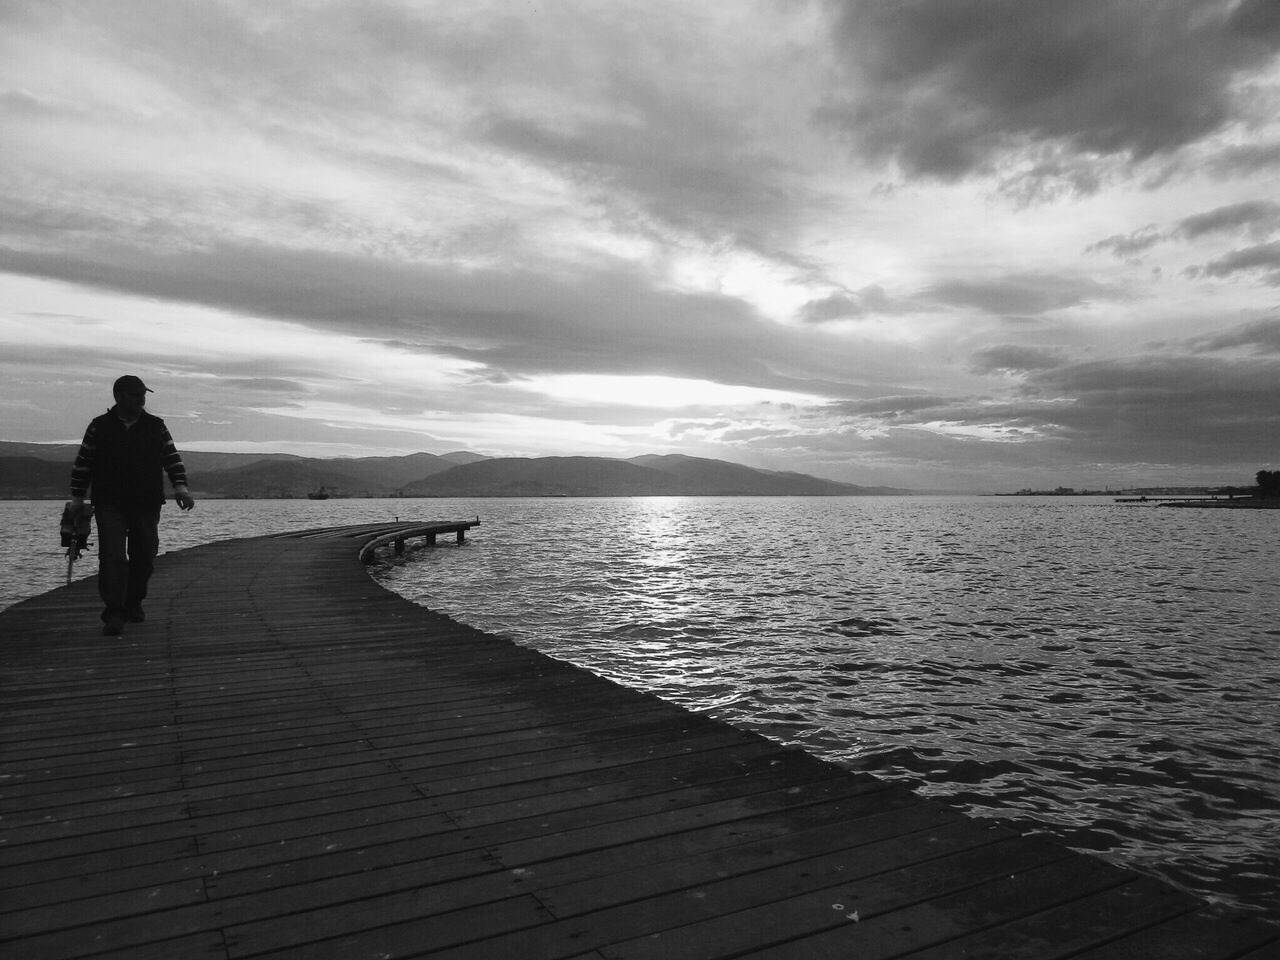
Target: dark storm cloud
point(1263, 336)
point(1264, 257)
point(1176, 409)
point(947, 88)
point(1259, 218)
point(683, 167)
point(1245, 159)
point(1021, 294)
point(1198, 408)
point(1128, 245)
point(1013, 358)
point(847, 305)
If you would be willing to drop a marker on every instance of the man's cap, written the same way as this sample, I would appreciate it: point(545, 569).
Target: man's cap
point(130, 384)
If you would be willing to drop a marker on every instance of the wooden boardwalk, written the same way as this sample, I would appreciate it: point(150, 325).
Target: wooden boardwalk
point(287, 761)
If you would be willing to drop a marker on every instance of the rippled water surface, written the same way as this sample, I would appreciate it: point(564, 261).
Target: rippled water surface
point(1106, 674)
point(1103, 673)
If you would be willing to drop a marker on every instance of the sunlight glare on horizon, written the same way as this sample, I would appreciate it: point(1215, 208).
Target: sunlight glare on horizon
point(658, 391)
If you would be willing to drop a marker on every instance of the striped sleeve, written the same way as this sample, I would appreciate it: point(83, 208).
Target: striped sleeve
point(171, 460)
point(82, 472)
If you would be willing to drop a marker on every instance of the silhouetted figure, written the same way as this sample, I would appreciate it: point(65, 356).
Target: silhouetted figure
point(122, 462)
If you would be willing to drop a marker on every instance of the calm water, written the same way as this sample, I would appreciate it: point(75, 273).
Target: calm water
point(1101, 673)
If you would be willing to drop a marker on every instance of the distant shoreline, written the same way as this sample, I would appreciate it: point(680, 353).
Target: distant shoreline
point(1240, 504)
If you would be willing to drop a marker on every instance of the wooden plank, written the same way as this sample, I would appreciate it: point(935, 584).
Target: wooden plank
point(581, 827)
point(1064, 931)
point(896, 912)
point(76, 888)
point(404, 939)
point(1188, 937)
point(57, 829)
point(179, 850)
point(50, 917)
point(861, 847)
point(729, 916)
point(414, 902)
point(201, 946)
point(731, 765)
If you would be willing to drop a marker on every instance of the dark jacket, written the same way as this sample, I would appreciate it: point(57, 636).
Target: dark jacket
point(125, 466)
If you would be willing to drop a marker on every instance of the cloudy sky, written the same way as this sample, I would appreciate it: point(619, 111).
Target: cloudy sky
point(944, 243)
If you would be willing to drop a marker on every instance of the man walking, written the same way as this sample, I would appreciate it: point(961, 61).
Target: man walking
point(123, 457)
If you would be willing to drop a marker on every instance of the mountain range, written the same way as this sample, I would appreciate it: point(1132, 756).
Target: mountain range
point(41, 471)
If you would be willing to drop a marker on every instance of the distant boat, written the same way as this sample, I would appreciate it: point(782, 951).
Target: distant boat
point(321, 494)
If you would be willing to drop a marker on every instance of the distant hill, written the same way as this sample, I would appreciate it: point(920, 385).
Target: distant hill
point(270, 479)
point(60, 452)
point(721, 478)
point(41, 471)
point(201, 462)
point(546, 477)
point(641, 476)
point(358, 477)
point(244, 475)
point(389, 474)
point(30, 478)
point(462, 456)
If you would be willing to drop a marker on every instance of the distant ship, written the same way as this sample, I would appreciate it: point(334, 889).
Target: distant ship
point(321, 494)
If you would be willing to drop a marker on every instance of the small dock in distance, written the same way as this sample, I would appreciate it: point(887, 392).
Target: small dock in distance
point(1213, 503)
point(428, 531)
point(1146, 499)
point(288, 761)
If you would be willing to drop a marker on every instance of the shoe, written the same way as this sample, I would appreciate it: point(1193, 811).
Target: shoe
point(135, 614)
point(113, 625)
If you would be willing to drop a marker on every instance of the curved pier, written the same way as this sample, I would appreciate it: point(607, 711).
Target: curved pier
point(286, 760)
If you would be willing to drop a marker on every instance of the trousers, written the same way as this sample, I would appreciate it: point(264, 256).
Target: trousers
point(128, 541)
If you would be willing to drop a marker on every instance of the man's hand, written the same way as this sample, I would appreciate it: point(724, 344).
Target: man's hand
point(183, 498)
